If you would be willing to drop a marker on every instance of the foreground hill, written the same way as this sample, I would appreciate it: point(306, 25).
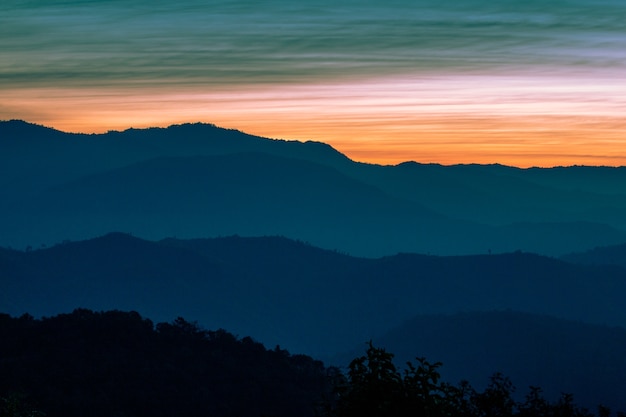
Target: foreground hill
point(117, 363)
point(199, 180)
point(285, 292)
point(560, 356)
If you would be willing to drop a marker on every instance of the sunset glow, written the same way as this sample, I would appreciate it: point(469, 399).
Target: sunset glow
point(510, 84)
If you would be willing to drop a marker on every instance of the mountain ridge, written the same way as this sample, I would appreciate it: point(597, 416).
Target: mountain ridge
point(480, 207)
point(305, 298)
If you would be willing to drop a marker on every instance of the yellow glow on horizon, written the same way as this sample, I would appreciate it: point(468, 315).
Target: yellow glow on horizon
point(513, 120)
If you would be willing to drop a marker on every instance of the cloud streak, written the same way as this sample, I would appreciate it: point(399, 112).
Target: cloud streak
point(78, 43)
point(562, 58)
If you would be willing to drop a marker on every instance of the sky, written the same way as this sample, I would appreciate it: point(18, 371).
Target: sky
point(524, 83)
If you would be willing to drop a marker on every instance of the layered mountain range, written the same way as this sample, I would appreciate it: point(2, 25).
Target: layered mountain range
point(296, 245)
point(198, 180)
point(328, 304)
point(285, 292)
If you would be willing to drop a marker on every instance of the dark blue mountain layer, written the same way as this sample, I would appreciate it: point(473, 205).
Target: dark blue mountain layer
point(604, 255)
point(289, 293)
point(251, 194)
point(199, 180)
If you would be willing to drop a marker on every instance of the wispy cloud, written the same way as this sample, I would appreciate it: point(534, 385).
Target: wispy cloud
point(85, 42)
point(431, 80)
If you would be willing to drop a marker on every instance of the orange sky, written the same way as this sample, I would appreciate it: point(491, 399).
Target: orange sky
point(467, 81)
point(523, 120)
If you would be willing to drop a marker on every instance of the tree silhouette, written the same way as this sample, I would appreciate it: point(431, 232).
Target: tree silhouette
point(375, 387)
point(117, 363)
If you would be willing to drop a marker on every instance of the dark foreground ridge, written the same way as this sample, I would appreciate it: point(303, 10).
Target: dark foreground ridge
point(117, 363)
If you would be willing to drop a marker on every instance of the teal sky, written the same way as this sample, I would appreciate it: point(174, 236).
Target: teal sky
point(74, 47)
point(191, 41)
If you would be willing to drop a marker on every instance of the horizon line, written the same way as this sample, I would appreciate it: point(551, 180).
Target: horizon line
point(105, 131)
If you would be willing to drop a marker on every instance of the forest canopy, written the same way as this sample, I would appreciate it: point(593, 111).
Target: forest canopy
point(118, 363)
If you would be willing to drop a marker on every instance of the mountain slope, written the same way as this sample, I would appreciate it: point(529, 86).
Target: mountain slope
point(289, 293)
point(38, 157)
point(605, 255)
point(58, 184)
point(118, 363)
point(248, 194)
point(498, 195)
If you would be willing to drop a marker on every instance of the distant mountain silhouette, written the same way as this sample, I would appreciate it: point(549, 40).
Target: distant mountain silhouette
point(557, 355)
point(499, 195)
point(36, 156)
point(605, 255)
point(249, 194)
point(198, 180)
point(284, 292)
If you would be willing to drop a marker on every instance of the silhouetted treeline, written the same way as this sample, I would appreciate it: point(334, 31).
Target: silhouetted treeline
point(374, 387)
point(119, 364)
point(558, 355)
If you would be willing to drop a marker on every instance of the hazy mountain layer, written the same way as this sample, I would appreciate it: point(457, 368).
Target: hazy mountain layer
point(605, 255)
point(200, 180)
point(283, 292)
